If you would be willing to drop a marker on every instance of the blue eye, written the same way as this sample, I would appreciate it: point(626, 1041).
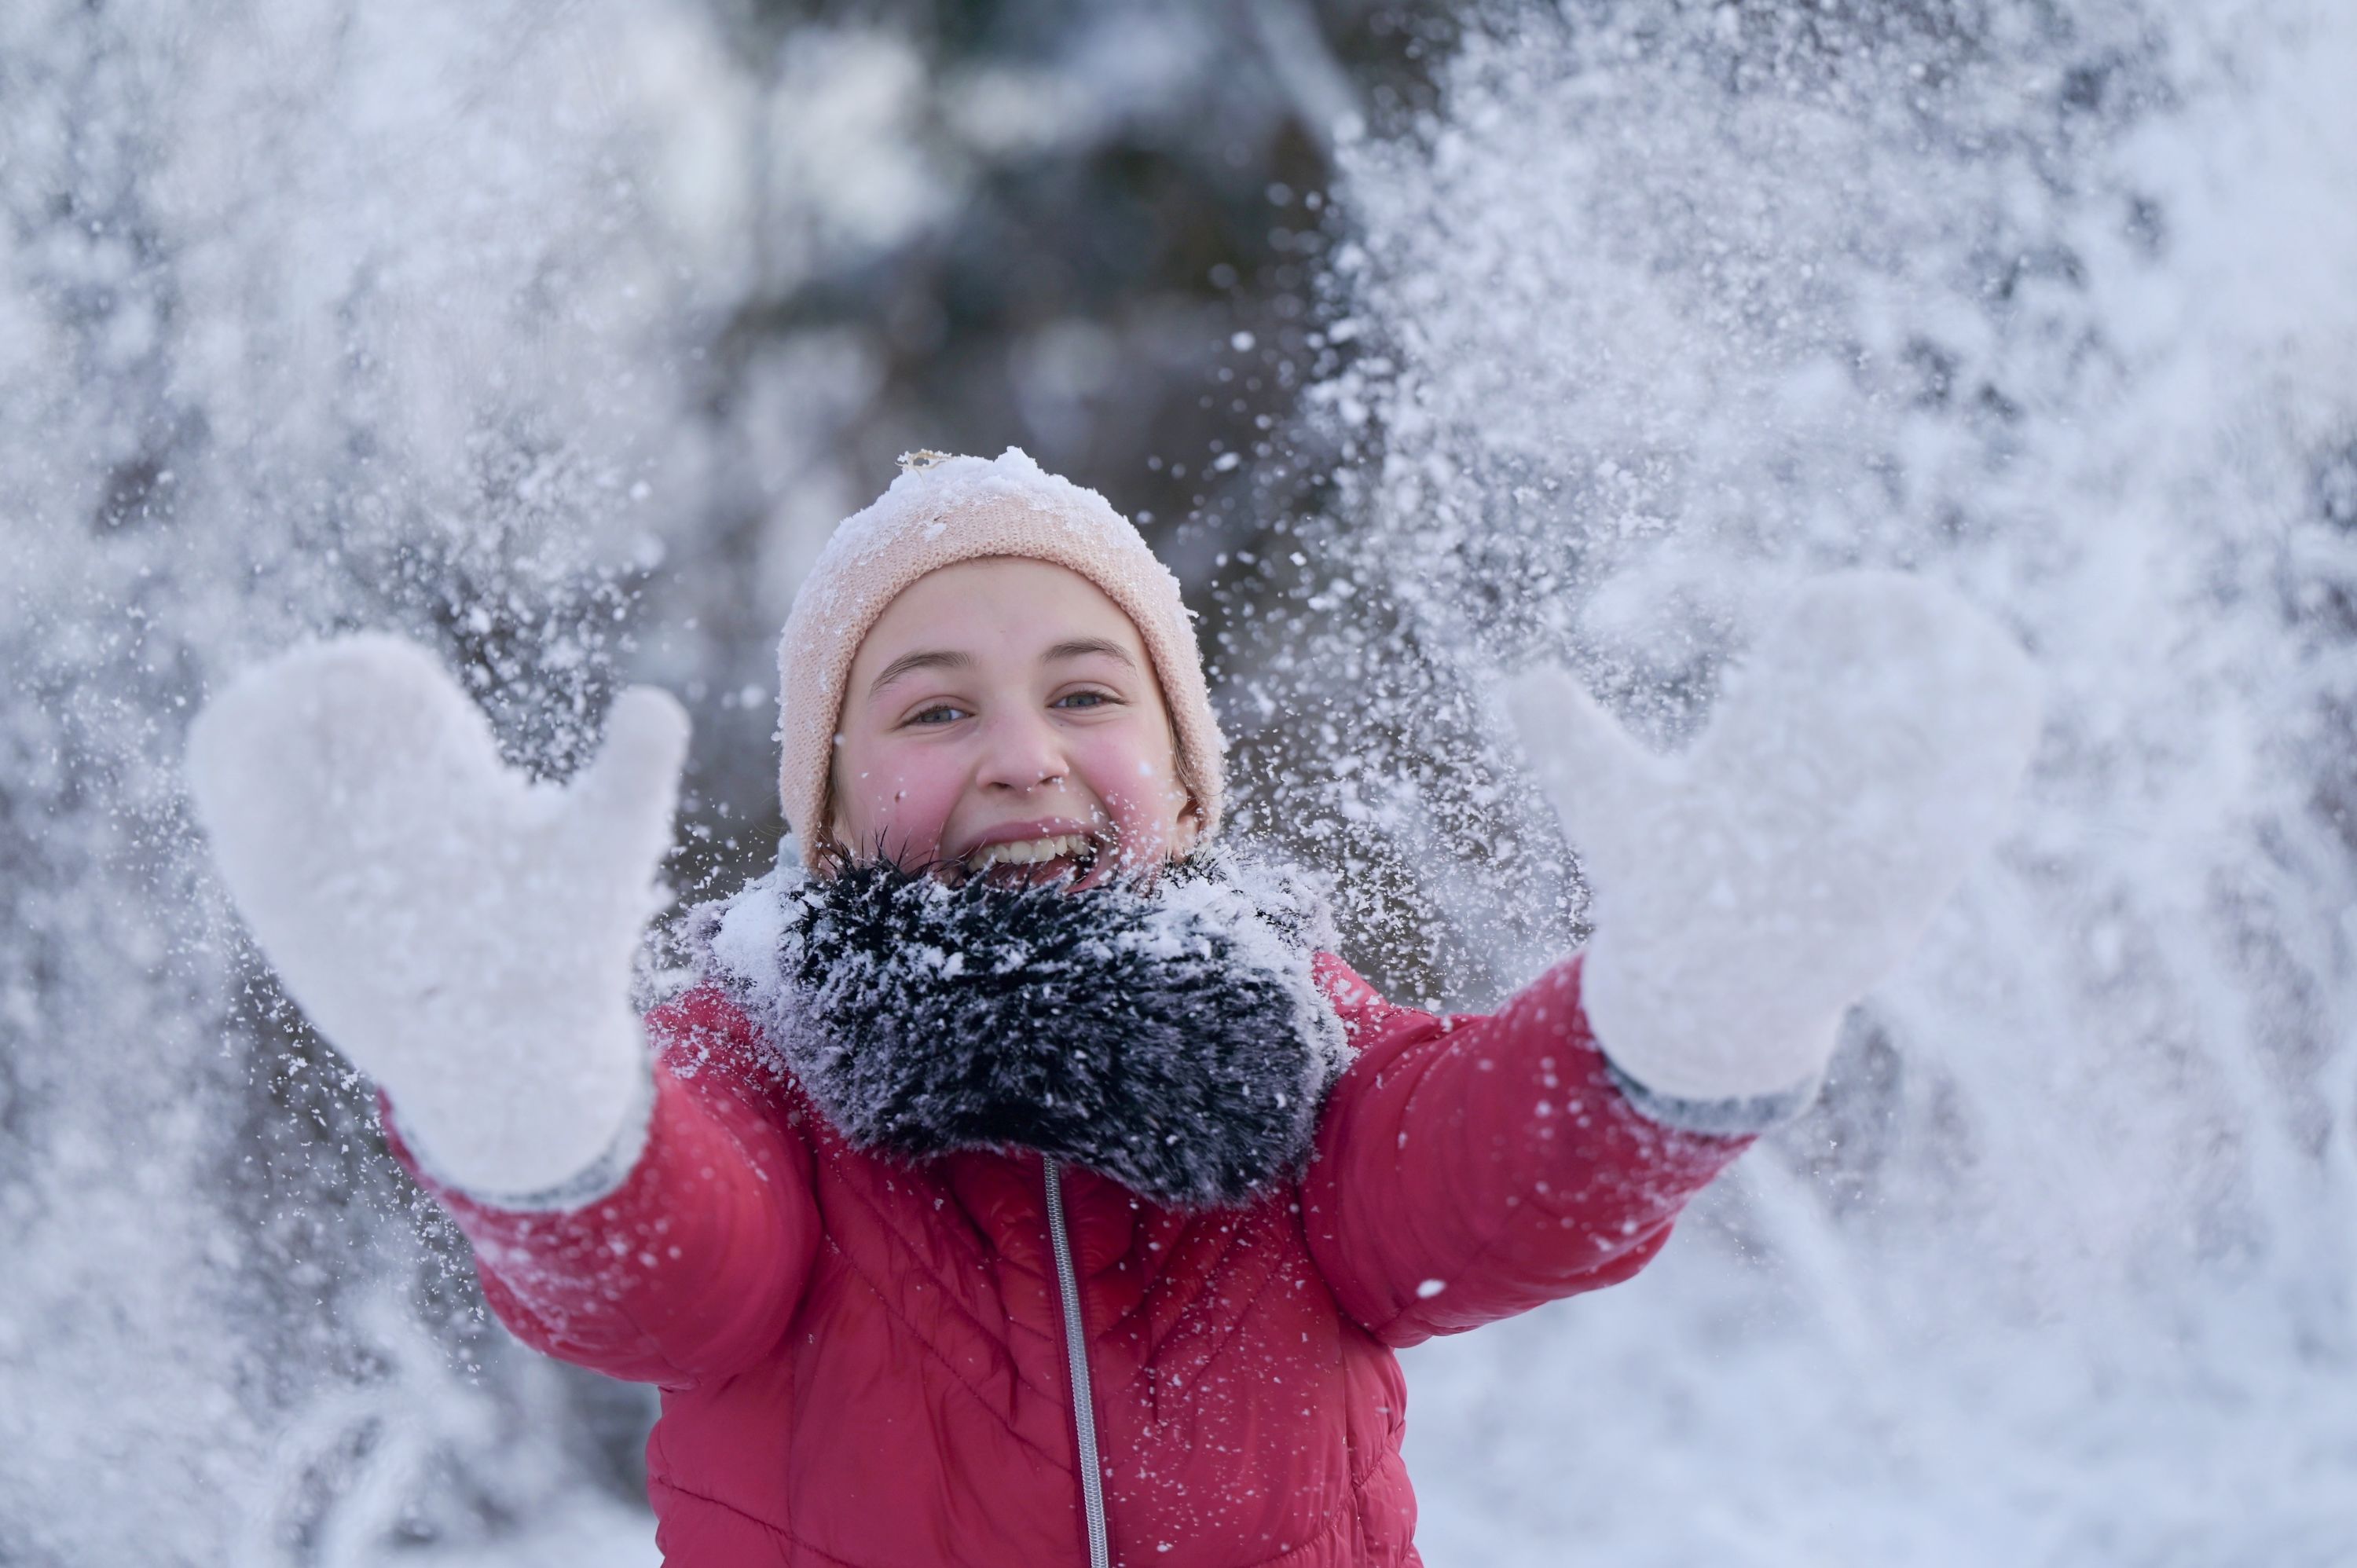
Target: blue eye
point(1084, 700)
point(939, 714)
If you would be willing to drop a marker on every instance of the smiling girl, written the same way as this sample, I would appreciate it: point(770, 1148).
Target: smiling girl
point(1006, 710)
point(1026, 1182)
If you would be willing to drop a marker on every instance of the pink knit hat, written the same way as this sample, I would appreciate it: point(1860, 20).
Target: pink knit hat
point(941, 510)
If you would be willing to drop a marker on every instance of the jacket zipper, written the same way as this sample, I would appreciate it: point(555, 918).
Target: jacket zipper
point(1076, 1354)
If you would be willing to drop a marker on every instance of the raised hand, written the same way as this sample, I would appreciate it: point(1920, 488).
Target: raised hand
point(1748, 890)
point(464, 935)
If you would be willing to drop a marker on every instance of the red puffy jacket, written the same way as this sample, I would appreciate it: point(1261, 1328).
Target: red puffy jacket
point(865, 1363)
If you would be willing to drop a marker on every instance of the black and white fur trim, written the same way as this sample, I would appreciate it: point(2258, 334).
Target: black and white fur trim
point(1169, 1038)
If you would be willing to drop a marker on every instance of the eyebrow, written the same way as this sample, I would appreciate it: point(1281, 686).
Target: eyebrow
point(929, 659)
point(1080, 647)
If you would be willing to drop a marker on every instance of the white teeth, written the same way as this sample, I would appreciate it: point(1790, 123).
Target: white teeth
point(1028, 852)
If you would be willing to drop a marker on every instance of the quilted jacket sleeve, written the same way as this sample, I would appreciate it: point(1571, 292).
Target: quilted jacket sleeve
point(692, 1268)
point(1472, 1167)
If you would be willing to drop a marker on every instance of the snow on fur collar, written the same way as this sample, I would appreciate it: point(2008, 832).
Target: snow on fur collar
point(1170, 1038)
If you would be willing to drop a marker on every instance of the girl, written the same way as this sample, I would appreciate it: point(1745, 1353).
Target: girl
point(1026, 1183)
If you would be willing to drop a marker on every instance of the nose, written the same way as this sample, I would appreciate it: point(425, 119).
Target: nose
point(1020, 752)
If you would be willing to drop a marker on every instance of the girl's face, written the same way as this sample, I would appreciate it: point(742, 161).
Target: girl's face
point(1002, 712)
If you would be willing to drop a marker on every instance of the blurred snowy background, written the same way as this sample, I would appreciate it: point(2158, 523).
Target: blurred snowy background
point(1424, 340)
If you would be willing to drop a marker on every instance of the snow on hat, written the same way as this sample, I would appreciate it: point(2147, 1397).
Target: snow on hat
point(941, 510)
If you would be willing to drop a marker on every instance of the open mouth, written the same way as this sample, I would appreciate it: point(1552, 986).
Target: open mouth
point(1051, 857)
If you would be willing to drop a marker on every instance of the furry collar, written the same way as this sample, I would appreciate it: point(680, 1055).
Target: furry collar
point(1169, 1039)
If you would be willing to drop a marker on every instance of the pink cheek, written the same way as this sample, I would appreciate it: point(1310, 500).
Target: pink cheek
point(907, 805)
point(1137, 794)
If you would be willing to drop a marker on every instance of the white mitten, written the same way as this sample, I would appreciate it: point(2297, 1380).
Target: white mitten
point(1748, 890)
point(462, 934)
